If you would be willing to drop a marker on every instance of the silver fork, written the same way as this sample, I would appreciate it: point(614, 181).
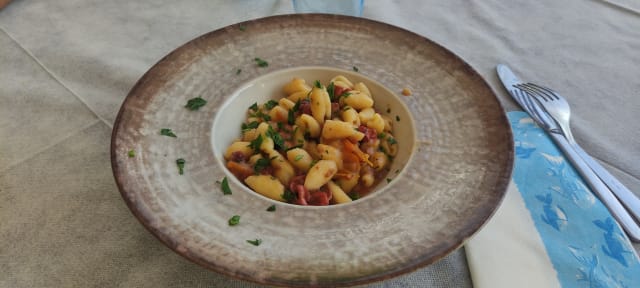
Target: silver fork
point(559, 109)
point(617, 210)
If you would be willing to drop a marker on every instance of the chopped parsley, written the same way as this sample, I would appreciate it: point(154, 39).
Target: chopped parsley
point(235, 220)
point(397, 118)
point(260, 165)
point(195, 103)
point(262, 116)
point(354, 195)
point(131, 153)
point(381, 136)
point(180, 162)
point(288, 195)
point(167, 132)
point(388, 180)
point(272, 208)
point(278, 142)
point(331, 89)
point(296, 106)
point(356, 69)
point(298, 157)
point(256, 242)
point(242, 28)
point(254, 107)
point(346, 94)
point(256, 143)
point(250, 125)
point(392, 141)
point(270, 104)
point(225, 186)
point(317, 84)
point(313, 163)
point(346, 108)
point(260, 62)
point(291, 117)
point(238, 71)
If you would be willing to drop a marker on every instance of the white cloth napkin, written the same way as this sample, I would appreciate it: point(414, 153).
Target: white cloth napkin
point(550, 231)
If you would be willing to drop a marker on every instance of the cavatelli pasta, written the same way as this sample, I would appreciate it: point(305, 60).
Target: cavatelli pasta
point(316, 145)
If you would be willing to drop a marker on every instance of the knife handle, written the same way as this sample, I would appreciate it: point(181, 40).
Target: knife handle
point(600, 189)
point(628, 199)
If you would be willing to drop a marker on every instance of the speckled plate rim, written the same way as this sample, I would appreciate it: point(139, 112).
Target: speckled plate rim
point(501, 185)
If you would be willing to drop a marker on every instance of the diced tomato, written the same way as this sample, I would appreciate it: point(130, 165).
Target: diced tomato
point(319, 198)
point(305, 106)
point(242, 170)
point(338, 91)
point(369, 134)
point(237, 156)
point(335, 107)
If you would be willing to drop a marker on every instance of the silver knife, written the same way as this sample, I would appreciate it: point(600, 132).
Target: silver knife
point(509, 79)
point(628, 199)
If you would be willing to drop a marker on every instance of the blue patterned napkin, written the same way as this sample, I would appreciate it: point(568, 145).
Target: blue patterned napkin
point(581, 240)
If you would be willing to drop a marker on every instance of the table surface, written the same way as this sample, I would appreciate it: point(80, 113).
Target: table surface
point(66, 67)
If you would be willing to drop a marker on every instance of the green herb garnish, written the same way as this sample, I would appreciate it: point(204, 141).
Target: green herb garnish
point(397, 118)
point(298, 157)
point(270, 104)
point(313, 163)
point(262, 116)
point(392, 141)
point(272, 208)
point(317, 84)
point(388, 180)
point(354, 195)
point(381, 135)
point(251, 125)
point(131, 153)
point(261, 63)
point(235, 220)
point(238, 71)
point(331, 90)
point(225, 186)
point(167, 132)
point(260, 165)
point(345, 108)
point(288, 196)
point(346, 94)
point(296, 107)
point(195, 103)
point(180, 162)
point(355, 69)
point(254, 107)
point(278, 142)
point(291, 117)
point(242, 28)
point(256, 143)
point(256, 242)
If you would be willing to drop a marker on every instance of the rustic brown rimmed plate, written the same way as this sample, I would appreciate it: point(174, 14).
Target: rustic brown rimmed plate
point(458, 173)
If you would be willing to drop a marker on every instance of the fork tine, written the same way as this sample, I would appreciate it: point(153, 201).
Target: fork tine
point(524, 100)
point(531, 91)
point(533, 108)
point(546, 90)
point(545, 93)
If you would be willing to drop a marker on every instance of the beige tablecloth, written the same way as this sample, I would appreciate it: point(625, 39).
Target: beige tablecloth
point(66, 66)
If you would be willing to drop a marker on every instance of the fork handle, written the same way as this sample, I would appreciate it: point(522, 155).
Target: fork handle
point(628, 199)
point(599, 188)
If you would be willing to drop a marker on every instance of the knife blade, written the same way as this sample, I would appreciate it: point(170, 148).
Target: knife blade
point(537, 113)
